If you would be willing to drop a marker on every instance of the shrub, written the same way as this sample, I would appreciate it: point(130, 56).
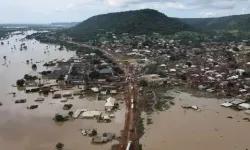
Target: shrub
point(20, 82)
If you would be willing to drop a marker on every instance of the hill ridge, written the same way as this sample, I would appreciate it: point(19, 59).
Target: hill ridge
point(136, 22)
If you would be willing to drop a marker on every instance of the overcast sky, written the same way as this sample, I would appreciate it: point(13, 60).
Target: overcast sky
point(46, 11)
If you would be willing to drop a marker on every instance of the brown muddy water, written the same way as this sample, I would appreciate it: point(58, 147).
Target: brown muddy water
point(177, 128)
point(25, 129)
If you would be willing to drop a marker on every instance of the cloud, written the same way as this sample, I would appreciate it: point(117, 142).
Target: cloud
point(67, 10)
point(243, 11)
point(226, 4)
point(160, 4)
point(70, 6)
point(208, 14)
point(180, 4)
point(175, 5)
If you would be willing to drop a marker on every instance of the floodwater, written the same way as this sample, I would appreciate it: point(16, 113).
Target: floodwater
point(25, 129)
point(192, 130)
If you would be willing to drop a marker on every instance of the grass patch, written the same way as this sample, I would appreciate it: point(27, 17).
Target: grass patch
point(162, 105)
point(140, 127)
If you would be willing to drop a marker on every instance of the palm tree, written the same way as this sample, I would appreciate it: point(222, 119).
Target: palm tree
point(59, 146)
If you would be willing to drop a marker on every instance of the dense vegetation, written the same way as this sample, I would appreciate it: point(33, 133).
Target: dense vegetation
point(229, 28)
point(236, 22)
point(3, 33)
point(146, 21)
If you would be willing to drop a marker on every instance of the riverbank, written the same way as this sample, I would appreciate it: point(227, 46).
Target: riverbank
point(210, 128)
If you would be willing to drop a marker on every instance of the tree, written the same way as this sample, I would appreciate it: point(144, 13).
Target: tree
point(29, 77)
point(188, 63)
point(96, 61)
point(246, 74)
point(173, 57)
point(94, 75)
point(70, 113)
point(59, 146)
point(61, 77)
point(59, 118)
point(86, 79)
point(143, 83)
point(20, 82)
point(94, 132)
point(233, 65)
point(183, 77)
point(105, 135)
point(34, 66)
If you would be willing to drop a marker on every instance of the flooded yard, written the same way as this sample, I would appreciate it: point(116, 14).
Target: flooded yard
point(210, 128)
point(26, 129)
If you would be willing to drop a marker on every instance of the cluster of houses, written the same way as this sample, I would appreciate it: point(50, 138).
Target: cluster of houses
point(238, 104)
point(106, 115)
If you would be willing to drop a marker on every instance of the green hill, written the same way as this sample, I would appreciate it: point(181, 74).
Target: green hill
point(138, 22)
point(236, 22)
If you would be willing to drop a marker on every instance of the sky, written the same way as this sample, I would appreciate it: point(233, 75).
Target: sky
point(47, 11)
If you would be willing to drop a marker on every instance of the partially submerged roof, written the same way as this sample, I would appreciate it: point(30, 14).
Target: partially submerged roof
point(111, 100)
point(244, 106)
point(247, 112)
point(95, 89)
point(109, 104)
point(226, 104)
point(106, 71)
point(91, 113)
point(238, 101)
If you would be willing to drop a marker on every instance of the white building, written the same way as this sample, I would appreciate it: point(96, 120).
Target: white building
point(110, 103)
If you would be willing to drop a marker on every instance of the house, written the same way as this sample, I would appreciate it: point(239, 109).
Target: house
point(104, 92)
point(95, 89)
point(238, 101)
point(247, 112)
point(45, 88)
point(244, 106)
point(226, 104)
point(113, 91)
point(40, 99)
point(67, 94)
point(110, 103)
point(91, 114)
point(106, 72)
point(33, 89)
point(57, 95)
point(78, 112)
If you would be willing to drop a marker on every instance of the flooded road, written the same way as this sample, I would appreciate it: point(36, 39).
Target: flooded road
point(177, 128)
point(25, 129)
